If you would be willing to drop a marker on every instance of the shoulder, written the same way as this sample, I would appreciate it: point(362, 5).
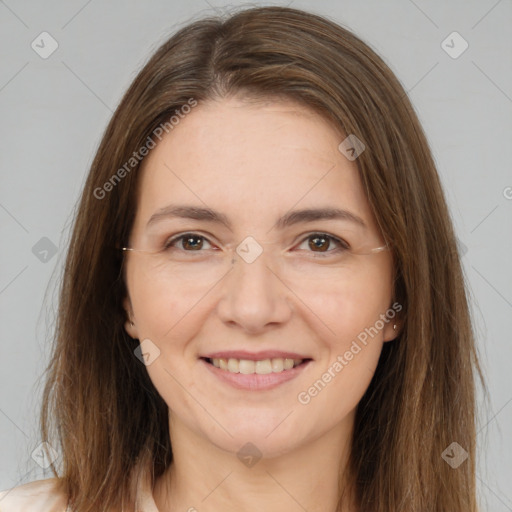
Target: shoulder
point(38, 496)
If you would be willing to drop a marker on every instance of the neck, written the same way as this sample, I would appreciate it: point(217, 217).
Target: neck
point(203, 477)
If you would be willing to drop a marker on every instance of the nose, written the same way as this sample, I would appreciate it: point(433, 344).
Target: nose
point(253, 295)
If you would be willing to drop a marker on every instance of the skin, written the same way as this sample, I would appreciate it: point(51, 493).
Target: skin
point(255, 162)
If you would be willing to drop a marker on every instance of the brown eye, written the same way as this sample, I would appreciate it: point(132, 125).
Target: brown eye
point(319, 243)
point(190, 242)
point(193, 242)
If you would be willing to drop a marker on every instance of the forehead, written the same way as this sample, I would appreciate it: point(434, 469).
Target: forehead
point(250, 159)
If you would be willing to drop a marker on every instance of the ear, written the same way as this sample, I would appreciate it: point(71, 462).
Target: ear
point(392, 329)
point(129, 324)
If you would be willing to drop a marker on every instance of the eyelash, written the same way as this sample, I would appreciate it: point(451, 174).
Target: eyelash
point(343, 245)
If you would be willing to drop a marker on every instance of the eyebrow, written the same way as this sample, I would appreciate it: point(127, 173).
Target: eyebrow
point(289, 219)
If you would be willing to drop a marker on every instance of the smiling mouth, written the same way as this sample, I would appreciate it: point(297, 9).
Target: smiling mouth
point(260, 367)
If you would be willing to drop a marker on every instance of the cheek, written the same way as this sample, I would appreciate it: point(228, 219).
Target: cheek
point(354, 312)
point(351, 354)
point(162, 303)
point(352, 304)
point(339, 389)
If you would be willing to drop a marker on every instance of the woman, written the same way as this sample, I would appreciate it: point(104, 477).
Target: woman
point(263, 305)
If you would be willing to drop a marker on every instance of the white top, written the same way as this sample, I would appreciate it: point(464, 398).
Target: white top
point(43, 496)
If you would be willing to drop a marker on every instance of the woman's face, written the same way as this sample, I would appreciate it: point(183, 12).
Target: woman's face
point(252, 288)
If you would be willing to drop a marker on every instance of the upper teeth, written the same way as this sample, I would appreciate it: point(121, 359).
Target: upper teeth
point(261, 367)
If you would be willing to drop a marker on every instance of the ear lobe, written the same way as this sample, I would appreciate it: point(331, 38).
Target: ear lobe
point(391, 330)
point(129, 325)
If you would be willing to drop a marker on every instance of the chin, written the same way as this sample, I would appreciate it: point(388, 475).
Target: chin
point(268, 438)
point(256, 446)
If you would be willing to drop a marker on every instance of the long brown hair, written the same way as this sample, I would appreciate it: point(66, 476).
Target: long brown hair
point(100, 406)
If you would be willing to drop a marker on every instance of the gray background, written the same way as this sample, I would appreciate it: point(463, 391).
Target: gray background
point(54, 111)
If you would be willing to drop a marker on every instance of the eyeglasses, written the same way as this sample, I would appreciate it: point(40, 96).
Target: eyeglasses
point(192, 262)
